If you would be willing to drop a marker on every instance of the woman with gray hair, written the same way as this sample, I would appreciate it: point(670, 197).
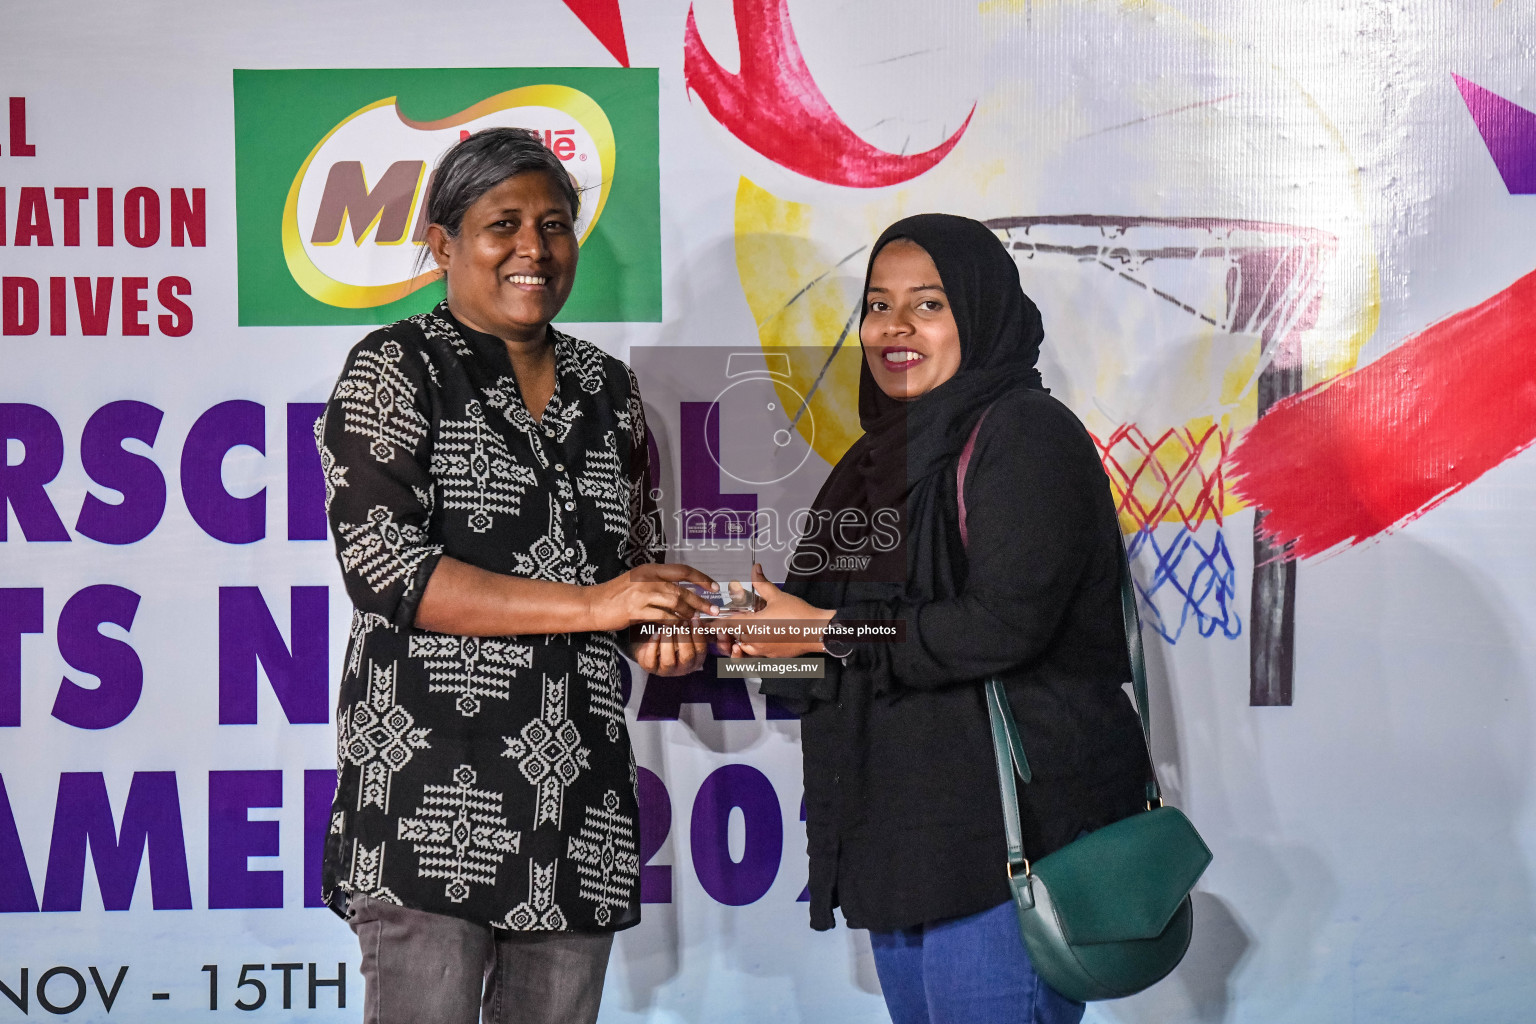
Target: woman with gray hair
point(487, 485)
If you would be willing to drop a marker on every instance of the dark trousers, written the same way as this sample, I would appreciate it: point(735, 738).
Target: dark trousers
point(424, 968)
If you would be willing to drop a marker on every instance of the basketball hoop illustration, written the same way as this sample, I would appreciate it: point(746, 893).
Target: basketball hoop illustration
point(1224, 280)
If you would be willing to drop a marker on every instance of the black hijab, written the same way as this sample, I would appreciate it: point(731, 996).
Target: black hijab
point(907, 446)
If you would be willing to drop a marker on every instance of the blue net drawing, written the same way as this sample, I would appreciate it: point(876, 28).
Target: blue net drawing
point(1190, 580)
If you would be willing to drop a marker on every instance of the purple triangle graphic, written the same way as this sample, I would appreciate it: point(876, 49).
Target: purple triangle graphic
point(1509, 132)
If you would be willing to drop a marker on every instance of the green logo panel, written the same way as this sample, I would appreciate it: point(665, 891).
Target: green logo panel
point(333, 166)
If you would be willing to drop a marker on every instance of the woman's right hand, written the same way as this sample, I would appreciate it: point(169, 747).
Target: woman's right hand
point(648, 593)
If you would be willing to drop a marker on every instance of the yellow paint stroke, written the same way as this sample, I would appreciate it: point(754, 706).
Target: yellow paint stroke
point(775, 258)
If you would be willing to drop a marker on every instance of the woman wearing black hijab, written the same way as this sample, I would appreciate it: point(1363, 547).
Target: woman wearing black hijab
point(903, 815)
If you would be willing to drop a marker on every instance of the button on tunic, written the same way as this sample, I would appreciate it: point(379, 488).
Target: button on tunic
point(489, 778)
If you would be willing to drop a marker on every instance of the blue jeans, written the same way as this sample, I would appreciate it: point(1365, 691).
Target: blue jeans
point(968, 970)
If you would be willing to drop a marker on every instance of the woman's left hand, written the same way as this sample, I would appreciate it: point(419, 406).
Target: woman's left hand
point(666, 655)
point(776, 605)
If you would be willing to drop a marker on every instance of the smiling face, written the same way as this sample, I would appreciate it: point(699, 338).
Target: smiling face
point(512, 264)
point(910, 339)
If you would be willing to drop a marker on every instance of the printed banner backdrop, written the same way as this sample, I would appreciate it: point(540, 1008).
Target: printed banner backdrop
point(1283, 256)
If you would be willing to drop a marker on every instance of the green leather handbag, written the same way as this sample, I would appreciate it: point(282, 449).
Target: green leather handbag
point(1108, 914)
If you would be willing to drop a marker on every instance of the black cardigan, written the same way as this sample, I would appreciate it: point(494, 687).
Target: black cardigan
point(903, 815)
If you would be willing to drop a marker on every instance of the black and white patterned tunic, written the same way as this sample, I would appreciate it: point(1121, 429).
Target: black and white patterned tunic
point(489, 778)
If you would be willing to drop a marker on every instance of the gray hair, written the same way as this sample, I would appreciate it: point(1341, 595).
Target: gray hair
point(475, 165)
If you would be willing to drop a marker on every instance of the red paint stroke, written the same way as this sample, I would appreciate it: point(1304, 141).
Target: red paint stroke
point(603, 20)
point(1377, 448)
point(775, 107)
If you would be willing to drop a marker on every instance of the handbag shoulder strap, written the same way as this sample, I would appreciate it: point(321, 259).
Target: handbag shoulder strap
point(1132, 616)
point(1005, 734)
point(961, 467)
